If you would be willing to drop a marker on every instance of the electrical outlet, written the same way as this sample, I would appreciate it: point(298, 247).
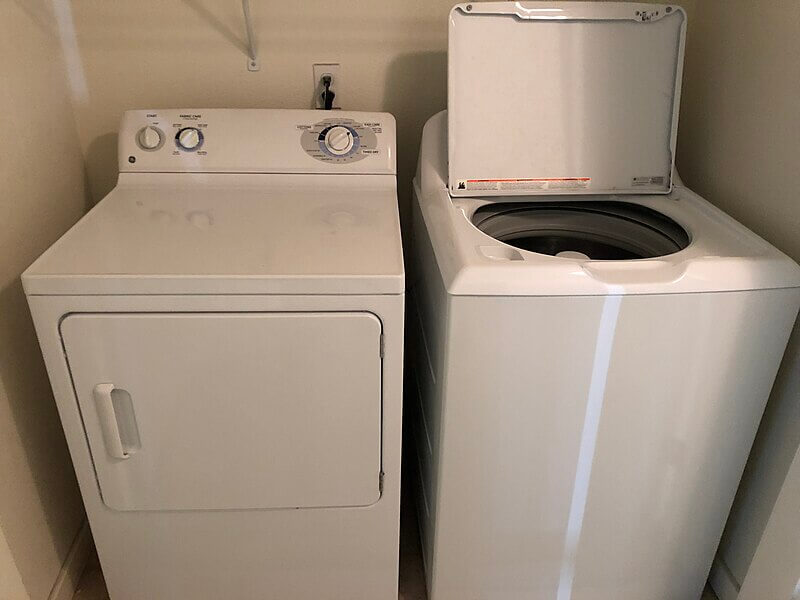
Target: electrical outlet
point(334, 70)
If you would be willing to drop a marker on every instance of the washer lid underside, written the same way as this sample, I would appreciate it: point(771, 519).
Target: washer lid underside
point(589, 230)
point(564, 98)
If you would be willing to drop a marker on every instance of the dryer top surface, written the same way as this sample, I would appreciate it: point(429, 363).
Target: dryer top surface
point(164, 233)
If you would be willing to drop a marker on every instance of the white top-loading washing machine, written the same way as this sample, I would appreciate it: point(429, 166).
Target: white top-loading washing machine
point(595, 343)
point(223, 333)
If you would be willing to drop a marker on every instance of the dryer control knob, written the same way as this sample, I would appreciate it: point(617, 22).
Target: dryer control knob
point(339, 140)
point(150, 138)
point(189, 138)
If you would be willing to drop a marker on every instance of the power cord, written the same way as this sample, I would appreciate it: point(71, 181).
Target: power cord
point(327, 94)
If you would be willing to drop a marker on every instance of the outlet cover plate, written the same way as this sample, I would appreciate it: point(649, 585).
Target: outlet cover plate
point(334, 70)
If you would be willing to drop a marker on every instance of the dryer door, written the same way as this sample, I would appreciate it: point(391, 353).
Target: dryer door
point(230, 411)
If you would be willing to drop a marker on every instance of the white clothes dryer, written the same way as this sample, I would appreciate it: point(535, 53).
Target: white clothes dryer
point(224, 333)
point(595, 343)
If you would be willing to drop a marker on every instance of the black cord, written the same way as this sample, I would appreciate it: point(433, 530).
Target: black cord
point(327, 95)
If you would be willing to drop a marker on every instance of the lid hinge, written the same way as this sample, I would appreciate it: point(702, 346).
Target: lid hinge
point(380, 482)
point(382, 349)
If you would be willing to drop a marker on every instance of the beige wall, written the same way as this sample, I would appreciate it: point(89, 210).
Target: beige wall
point(775, 570)
point(739, 145)
point(41, 195)
point(189, 53)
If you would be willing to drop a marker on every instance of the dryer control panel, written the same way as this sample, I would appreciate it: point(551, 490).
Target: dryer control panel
point(256, 141)
point(338, 140)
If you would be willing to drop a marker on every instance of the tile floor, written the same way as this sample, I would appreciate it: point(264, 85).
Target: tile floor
point(412, 583)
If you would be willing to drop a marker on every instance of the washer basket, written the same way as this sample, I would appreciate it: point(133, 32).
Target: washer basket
point(592, 230)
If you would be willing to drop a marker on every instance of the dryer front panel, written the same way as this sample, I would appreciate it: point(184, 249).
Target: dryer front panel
point(211, 411)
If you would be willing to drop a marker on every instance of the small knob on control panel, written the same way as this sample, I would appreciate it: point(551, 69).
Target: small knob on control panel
point(150, 138)
point(339, 140)
point(189, 138)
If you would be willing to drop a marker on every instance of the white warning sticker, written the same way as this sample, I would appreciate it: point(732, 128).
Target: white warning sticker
point(525, 184)
point(657, 181)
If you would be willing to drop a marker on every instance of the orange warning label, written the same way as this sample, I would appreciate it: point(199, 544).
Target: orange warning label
point(525, 184)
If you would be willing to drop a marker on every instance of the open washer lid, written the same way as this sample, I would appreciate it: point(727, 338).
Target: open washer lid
point(563, 97)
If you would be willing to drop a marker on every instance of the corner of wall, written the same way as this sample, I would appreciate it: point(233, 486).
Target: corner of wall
point(44, 193)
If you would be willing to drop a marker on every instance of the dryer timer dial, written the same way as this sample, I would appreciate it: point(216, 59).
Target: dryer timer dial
point(339, 140)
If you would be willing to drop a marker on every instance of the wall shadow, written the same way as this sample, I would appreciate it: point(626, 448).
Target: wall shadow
point(770, 459)
point(416, 89)
point(101, 166)
point(39, 13)
point(35, 420)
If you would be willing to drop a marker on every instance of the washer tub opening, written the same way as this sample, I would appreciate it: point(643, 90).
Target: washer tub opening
point(596, 230)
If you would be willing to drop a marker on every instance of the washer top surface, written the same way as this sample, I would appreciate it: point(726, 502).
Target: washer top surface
point(685, 244)
point(162, 233)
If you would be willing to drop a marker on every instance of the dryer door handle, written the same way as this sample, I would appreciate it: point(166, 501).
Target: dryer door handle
point(108, 420)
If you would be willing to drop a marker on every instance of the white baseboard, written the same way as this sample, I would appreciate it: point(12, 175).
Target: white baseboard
point(72, 569)
point(722, 581)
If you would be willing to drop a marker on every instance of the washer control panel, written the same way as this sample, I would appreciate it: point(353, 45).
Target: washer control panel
point(256, 141)
point(340, 140)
